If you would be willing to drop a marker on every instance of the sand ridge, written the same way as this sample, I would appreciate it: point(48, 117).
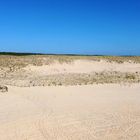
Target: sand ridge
point(84, 66)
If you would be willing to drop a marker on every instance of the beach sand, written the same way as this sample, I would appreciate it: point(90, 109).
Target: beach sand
point(90, 112)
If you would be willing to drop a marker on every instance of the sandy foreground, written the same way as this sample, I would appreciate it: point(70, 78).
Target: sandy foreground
point(90, 112)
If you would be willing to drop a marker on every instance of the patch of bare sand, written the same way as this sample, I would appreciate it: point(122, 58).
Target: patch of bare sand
point(84, 66)
point(98, 112)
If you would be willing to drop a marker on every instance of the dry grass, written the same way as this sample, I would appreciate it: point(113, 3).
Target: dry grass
point(24, 80)
point(38, 60)
point(11, 72)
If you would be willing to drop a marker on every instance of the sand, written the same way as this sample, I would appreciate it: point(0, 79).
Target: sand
point(83, 66)
point(92, 112)
point(61, 98)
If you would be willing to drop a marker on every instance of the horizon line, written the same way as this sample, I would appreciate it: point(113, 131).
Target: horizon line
point(63, 54)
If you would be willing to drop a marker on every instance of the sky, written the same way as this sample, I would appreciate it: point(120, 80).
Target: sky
point(98, 27)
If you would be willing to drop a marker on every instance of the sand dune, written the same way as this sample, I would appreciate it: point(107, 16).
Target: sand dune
point(97, 112)
point(84, 66)
point(46, 70)
point(69, 98)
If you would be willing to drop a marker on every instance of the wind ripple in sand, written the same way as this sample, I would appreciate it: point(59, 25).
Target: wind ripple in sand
point(71, 113)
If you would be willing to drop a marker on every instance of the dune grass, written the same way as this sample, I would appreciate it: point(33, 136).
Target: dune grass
point(10, 64)
point(24, 59)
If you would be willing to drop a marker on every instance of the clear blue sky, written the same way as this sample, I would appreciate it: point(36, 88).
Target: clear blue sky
point(70, 26)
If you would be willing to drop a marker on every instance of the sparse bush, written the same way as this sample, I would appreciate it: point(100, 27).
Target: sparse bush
point(3, 89)
point(130, 76)
point(11, 70)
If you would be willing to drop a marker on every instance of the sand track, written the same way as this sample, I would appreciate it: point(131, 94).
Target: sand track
point(94, 112)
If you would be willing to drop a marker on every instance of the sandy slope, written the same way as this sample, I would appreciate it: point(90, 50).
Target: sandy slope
point(97, 112)
point(84, 66)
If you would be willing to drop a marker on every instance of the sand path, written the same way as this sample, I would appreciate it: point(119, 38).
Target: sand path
point(97, 112)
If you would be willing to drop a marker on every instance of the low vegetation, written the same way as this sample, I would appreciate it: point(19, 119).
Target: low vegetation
point(21, 60)
point(71, 79)
point(12, 73)
point(3, 88)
